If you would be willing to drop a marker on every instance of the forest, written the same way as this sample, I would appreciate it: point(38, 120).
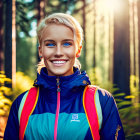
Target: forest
point(110, 53)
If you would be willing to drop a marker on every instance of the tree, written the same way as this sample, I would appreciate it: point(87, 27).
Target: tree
point(10, 42)
point(134, 37)
point(121, 58)
point(26, 49)
point(94, 34)
point(8, 39)
point(23, 23)
point(66, 6)
point(41, 10)
point(84, 32)
point(138, 4)
point(40, 4)
point(1, 38)
point(13, 43)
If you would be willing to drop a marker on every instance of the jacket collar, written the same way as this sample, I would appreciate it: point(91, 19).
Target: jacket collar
point(67, 83)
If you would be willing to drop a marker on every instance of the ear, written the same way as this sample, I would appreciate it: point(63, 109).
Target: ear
point(78, 53)
point(40, 51)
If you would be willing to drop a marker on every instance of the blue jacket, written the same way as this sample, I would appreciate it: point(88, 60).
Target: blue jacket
point(72, 122)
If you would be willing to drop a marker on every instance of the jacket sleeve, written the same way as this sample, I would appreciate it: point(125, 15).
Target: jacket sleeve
point(12, 127)
point(112, 128)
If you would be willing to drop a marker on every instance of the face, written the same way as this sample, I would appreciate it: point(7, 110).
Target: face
point(58, 50)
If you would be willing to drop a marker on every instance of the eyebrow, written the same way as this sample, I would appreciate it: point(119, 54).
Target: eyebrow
point(68, 40)
point(49, 40)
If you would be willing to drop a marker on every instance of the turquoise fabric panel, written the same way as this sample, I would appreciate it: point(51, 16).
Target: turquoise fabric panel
point(70, 127)
point(40, 127)
point(21, 105)
point(99, 110)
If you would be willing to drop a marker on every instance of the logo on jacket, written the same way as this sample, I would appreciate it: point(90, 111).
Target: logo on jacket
point(75, 118)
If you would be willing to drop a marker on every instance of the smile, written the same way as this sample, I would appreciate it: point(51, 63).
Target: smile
point(59, 62)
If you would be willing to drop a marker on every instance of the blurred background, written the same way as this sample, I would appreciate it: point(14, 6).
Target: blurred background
point(110, 53)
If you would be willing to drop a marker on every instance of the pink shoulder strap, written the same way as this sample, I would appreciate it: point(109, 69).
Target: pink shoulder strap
point(91, 111)
point(27, 110)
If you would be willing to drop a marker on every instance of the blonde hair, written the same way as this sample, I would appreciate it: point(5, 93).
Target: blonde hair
point(64, 19)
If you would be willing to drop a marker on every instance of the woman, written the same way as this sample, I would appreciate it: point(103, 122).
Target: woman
point(59, 111)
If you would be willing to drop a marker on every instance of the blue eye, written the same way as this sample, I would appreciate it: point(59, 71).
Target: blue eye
point(50, 44)
point(67, 44)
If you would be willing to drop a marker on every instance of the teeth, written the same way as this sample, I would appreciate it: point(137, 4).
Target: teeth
point(59, 62)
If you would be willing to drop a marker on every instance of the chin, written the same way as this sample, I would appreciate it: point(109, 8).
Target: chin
point(60, 73)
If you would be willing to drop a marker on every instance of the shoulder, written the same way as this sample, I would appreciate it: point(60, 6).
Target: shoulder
point(103, 94)
point(106, 99)
point(107, 102)
point(102, 97)
point(17, 101)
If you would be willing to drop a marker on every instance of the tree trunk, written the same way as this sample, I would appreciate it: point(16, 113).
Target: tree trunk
point(13, 43)
point(8, 40)
point(1, 38)
point(94, 34)
point(138, 4)
point(121, 59)
point(110, 40)
point(40, 16)
point(41, 10)
point(84, 31)
point(134, 39)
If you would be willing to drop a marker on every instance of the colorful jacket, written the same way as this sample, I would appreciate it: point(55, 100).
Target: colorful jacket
point(72, 122)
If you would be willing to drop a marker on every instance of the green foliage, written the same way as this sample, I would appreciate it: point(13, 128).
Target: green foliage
point(128, 105)
point(25, 55)
point(65, 6)
point(5, 92)
point(135, 136)
point(26, 49)
point(97, 79)
point(23, 22)
point(129, 114)
point(130, 109)
point(134, 89)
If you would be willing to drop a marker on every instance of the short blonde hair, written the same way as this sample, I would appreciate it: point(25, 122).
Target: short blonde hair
point(64, 19)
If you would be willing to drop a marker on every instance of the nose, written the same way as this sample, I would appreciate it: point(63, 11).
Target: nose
point(59, 50)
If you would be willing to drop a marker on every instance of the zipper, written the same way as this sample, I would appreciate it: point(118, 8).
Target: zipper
point(57, 109)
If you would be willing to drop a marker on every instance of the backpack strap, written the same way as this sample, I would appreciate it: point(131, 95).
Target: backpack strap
point(91, 105)
point(26, 108)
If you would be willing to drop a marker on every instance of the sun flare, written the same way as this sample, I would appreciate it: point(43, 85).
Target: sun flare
point(110, 5)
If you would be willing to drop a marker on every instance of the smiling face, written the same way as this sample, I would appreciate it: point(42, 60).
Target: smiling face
point(58, 50)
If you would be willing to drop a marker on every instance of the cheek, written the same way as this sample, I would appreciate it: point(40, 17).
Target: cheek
point(47, 53)
point(72, 52)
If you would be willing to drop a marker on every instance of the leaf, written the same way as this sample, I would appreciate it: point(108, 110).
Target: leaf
point(6, 101)
point(129, 97)
point(1, 104)
point(2, 112)
point(119, 94)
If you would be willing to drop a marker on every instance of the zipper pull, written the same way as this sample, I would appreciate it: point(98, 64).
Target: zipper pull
point(58, 85)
